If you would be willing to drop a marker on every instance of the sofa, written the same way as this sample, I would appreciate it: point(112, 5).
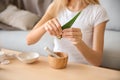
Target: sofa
point(16, 39)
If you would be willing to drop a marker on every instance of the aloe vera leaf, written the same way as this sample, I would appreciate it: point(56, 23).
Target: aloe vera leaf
point(69, 24)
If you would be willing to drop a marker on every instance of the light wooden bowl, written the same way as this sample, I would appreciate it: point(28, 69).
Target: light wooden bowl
point(58, 63)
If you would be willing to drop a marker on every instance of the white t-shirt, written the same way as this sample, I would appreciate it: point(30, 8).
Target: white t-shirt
point(91, 16)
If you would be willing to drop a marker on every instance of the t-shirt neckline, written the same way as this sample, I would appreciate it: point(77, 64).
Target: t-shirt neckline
point(74, 12)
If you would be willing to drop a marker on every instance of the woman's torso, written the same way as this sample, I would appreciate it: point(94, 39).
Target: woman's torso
point(86, 22)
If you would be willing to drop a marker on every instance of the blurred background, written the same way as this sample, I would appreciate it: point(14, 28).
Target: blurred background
point(18, 19)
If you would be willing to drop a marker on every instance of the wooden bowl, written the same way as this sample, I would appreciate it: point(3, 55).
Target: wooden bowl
point(58, 63)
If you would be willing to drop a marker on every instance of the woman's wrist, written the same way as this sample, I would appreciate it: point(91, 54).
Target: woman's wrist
point(79, 44)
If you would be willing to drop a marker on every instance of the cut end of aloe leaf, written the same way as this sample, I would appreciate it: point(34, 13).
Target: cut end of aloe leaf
point(59, 37)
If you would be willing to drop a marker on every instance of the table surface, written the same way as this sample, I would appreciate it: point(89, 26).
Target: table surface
point(41, 70)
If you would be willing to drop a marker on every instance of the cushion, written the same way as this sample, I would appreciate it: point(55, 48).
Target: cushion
point(2, 5)
point(113, 10)
point(7, 27)
point(21, 19)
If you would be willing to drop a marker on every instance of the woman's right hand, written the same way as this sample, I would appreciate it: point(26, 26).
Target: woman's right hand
point(53, 27)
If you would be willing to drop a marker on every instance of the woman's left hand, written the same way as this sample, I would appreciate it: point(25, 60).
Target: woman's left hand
point(73, 34)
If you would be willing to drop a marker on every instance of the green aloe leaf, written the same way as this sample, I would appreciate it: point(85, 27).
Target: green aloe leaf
point(69, 23)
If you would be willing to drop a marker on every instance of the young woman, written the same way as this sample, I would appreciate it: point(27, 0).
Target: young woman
point(84, 40)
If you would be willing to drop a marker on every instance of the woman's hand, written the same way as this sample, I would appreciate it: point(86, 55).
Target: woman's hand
point(53, 27)
point(73, 34)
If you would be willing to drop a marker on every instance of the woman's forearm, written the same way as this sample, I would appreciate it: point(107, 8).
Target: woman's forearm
point(91, 55)
point(35, 35)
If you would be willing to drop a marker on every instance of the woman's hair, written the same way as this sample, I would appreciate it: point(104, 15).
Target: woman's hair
point(91, 1)
point(58, 5)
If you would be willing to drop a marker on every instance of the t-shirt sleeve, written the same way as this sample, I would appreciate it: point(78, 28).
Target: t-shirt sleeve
point(101, 16)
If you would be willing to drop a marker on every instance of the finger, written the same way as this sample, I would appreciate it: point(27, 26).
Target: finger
point(53, 27)
point(75, 40)
point(72, 30)
point(46, 28)
point(51, 32)
point(58, 25)
point(71, 34)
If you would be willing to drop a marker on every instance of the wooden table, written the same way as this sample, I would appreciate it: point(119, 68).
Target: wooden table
point(41, 70)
